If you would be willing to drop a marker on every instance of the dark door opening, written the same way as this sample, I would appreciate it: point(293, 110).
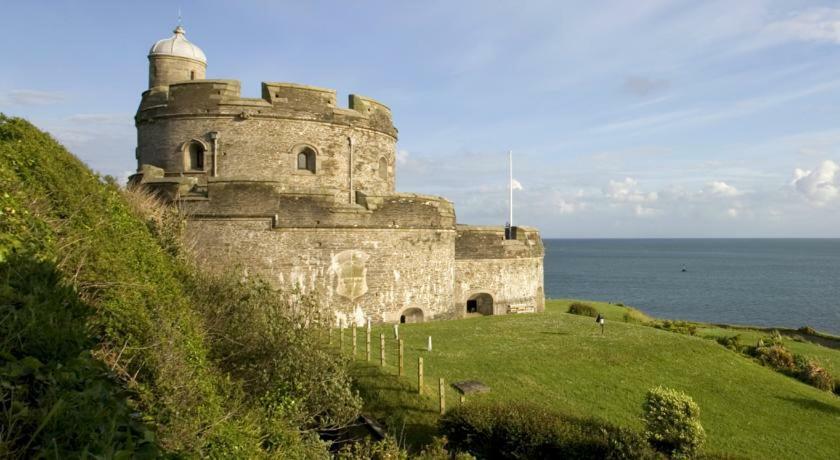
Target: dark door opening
point(402, 319)
point(472, 306)
point(480, 303)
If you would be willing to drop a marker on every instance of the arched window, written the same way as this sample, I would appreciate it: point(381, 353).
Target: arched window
point(383, 168)
point(195, 156)
point(306, 160)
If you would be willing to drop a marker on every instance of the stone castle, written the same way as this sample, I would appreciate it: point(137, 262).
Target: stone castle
point(299, 191)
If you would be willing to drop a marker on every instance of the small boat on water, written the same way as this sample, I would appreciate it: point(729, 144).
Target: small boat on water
point(684, 269)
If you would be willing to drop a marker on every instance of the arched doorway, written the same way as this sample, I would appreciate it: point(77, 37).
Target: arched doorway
point(411, 315)
point(481, 303)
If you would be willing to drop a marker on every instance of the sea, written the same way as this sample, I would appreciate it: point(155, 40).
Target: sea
point(759, 282)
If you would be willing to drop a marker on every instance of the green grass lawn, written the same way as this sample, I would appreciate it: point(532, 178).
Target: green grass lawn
point(563, 361)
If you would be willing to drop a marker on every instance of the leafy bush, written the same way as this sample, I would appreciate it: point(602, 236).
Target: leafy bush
point(268, 338)
point(513, 430)
point(807, 330)
point(800, 367)
point(776, 356)
point(815, 375)
point(583, 309)
point(731, 342)
point(672, 422)
point(436, 450)
point(55, 398)
point(386, 449)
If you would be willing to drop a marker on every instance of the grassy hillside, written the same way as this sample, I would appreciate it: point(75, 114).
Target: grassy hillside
point(562, 361)
point(110, 343)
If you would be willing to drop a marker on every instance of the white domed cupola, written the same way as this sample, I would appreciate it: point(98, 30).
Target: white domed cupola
point(178, 45)
point(175, 59)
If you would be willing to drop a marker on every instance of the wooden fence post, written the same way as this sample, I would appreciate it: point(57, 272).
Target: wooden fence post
point(396, 331)
point(354, 341)
point(420, 375)
point(400, 358)
point(367, 343)
point(329, 333)
point(341, 337)
point(429, 346)
point(382, 349)
point(442, 391)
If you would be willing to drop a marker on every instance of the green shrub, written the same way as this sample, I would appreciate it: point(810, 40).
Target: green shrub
point(672, 422)
point(731, 342)
point(368, 449)
point(583, 309)
point(56, 399)
point(812, 373)
point(256, 338)
point(436, 450)
point(513, 430)
point(777, 357)
point(808, 330)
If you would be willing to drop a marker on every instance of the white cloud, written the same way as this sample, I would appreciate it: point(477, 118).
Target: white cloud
point(642, 211)
point(722, 189)
point(811, 25)
point(819, 186)
point(732, 212)
point(28, 97)
point(627, 191)
point(402, 157)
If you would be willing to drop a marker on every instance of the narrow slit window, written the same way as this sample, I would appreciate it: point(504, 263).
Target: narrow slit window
point(383, 168)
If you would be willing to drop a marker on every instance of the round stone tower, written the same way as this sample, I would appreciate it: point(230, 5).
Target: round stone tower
point(175, 59)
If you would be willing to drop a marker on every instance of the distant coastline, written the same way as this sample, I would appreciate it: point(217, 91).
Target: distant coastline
point(744, 282)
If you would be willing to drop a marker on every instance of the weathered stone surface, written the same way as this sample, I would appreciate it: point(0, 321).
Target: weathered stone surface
point(341, 231)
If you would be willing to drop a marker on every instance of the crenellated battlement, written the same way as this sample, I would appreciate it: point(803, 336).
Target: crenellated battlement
point(278, 100)
point(321, 207)
point(481, 242)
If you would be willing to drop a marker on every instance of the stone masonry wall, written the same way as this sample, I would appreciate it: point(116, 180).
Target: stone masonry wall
point(516, 285)
point(511, 271)
point(165, 70)
point(258, 139)
point(358, 272)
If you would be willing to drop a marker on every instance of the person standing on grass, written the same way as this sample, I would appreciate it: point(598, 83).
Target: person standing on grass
point(600, 320)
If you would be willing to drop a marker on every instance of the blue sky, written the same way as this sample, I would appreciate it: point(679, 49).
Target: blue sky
point(626, 118)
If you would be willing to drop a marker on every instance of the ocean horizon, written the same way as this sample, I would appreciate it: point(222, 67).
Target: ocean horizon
point(767, 282)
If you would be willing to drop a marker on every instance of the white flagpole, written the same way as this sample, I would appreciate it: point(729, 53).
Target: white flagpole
point(510, 186)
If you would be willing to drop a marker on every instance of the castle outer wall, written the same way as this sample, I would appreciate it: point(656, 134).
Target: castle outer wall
point(293, 189)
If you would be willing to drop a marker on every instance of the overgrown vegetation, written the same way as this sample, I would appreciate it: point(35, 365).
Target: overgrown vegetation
point(583, 309)
point(515, 430)
point(111, 342)
point(772, 353)
point(672, 423)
